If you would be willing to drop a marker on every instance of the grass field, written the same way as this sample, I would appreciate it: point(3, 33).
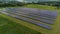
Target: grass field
point(10, 27)
point(41, 6)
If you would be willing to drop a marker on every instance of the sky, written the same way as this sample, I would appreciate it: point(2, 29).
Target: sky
point(41, 0)
point(20, 0)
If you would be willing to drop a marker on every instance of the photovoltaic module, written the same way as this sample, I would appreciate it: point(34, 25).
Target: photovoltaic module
point(35, 16)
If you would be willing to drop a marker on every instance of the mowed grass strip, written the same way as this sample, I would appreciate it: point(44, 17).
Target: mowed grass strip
point(10, 27)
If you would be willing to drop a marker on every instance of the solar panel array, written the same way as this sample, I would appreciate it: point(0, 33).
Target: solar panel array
point(42, 18)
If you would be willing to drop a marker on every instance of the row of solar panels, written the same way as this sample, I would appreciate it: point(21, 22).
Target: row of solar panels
point(41, 15)
point(26, 19)
point(34, 17)
point(48, 14)
point(32, 21)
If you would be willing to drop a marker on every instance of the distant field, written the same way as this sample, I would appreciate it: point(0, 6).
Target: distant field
point(41, 7)
point(10, 27)
point(45, 7)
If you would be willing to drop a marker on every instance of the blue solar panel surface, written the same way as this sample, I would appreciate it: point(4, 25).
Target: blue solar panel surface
point(35, 16)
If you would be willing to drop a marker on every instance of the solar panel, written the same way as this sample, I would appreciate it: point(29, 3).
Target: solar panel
point(44, 16)
point(39, 19)
point(36, 22)
point(42, 20)
point(37, 16)
point(39, 24)
point(45, 21)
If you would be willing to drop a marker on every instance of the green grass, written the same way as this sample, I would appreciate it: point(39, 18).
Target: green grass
point(10, 27)
point(40, 7)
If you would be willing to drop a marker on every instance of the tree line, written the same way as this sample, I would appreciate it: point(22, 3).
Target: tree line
point(11, 3)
